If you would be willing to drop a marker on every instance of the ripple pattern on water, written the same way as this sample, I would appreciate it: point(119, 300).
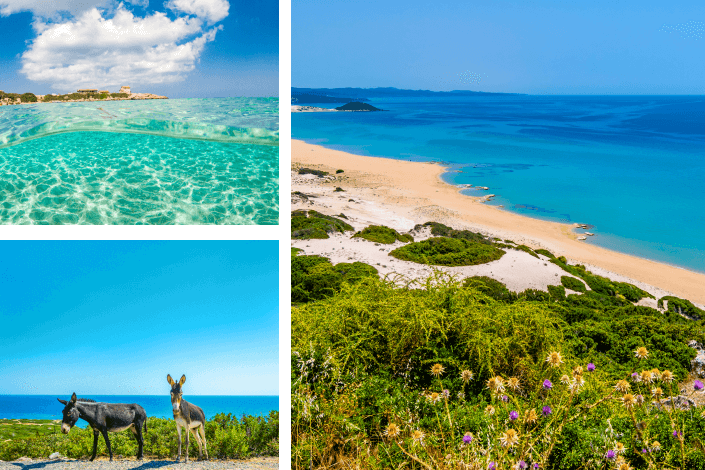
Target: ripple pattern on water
point(114, 178)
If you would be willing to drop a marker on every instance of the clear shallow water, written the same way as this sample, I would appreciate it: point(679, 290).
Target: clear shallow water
point(46, 406)
point(197, 161)
point(633, 167)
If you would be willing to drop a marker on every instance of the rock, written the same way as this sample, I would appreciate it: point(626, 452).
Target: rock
point(23, 459)
point(55, 456)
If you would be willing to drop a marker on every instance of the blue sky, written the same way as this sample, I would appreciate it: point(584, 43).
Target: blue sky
point(536, 47)
point(115, 317)
point(177, 48)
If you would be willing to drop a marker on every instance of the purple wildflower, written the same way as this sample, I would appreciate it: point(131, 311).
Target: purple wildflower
point(522, 464)
point(446, 394)
point(513, 415)
point(547, 384)
point(644, 451)
point(546, 410)
point(505, 398)
point(610, 454)
point(635, 377)
point(536, 465)
point(591, 367)
point(676, 433)
point(698, 385)
point(492, 466)
point(467, 439)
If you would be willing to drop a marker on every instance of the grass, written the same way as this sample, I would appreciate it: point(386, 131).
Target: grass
point(26, 428)
point(312, 224)
point(443, 251)
point(227, 437)
point(382, 234)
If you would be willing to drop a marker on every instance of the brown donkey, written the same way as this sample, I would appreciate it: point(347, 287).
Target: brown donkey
point(187, 416)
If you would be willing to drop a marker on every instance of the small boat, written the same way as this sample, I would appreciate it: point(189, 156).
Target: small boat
point(582, 238)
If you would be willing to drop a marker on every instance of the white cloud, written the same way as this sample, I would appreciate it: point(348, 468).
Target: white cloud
point(211, 10)
point(97, 52)
point(48, 8)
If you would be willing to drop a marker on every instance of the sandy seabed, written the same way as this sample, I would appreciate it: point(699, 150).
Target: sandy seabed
point(401, 194)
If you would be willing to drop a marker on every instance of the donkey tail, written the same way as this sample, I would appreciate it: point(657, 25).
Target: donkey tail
point(145, 426)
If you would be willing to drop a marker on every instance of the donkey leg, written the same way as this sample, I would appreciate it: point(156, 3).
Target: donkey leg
point(202, 428)
point(178, 431)
point(95, 443)
point(187, 441)
point(194, 431)
point(107, 443)
point(137, 429)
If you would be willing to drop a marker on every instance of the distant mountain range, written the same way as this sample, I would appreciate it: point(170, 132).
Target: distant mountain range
point(345, 95)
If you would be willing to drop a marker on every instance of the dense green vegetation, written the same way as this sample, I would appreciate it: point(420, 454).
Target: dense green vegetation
point(313, 224)
point(311, 171)
point(377, 374)
point(443, 251)
point(681, 307)
point(315, 277)
point(22, 429)
point(541, 251)
point(79, 96)
point(571, 283)
point(24, 97)
point(227, 437)
point(382, 234)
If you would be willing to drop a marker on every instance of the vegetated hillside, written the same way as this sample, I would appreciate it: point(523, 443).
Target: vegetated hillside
point(462, 373)
point(357, 106)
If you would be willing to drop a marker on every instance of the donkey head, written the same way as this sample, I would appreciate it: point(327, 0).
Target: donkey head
point(176, 392)
point(71, 414)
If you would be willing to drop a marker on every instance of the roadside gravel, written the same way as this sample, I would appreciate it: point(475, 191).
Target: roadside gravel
point(262, 463)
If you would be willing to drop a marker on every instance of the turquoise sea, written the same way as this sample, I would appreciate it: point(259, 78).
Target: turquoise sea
point(47, 407)
point(631, 166)
point(182, 161)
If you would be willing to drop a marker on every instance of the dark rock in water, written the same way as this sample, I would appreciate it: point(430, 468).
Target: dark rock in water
point(357, 106)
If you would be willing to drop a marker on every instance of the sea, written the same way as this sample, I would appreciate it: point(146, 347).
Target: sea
point(176, 161)
point(159, 406)
point(630, 167)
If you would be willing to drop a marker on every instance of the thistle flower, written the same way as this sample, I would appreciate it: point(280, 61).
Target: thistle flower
point(577, 384)
point(496, 384)
point(697, 385)
point(547, 384)
point(554, 359)
point(492, 466)
point(624, 466)
point(513, 383)
point(461, 395)
point(610, 454)
point(656, 374)
point(446, 394)
point(565, 380)
point(489, 410)
point(418, 436)
point(546, 410)
point(434, 397)
point(641, 353)
point(619, 448)
point(505, 398)
point(530, 416)
point(646, 376)
point(578, 371)
point(677, 434)
point(636, 377)
point(628, 400)
point(467, 376)
point(622, 386)
point(509, 438)
point(656, 446)
point(513, 415)
point(521, 465)
point(667, 376)
point(590, 367)
point(437, 370)
point(639, 399)
point(656, 393)
point(467, 438)
point(392, 431)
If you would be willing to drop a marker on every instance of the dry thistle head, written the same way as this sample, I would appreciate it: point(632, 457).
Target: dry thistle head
point(489, 409)
point(622, 386)
point(509, 438)
point(392, 431)
point(554, 359)
point(437, 370)
point(656, 446)
point(434, 397)
point(641, 353)
point(530, 416)
point(656, 393)
point(667, 376)
point(619, 448)
point(578, 371)
point(513, 383)
point(628, 400)
point(646, 376)
point(467, 376)
point(656, 374)
point(496, 384)
point(418, 436)
point(565, 380)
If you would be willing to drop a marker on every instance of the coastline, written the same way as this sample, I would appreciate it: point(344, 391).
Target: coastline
point(414, 192)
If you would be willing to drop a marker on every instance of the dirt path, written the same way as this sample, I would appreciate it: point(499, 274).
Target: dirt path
point(261, 463)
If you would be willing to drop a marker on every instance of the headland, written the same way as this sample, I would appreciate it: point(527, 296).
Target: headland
point(86, 94)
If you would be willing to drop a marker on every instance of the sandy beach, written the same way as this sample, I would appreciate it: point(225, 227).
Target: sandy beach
point(401, 194)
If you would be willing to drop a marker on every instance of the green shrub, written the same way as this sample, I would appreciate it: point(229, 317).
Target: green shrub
point(601, 284)
point(541, 251)
point(312, 224)
point(572, 283)
point(382, 234)
point(491, 288)
point(526, 249)
point(443, 251)
point(681, 307)
point(28, 98)
point(310, 171)
point(440, 230)
point(314, 277)
point(339, 171)
point(556, 292)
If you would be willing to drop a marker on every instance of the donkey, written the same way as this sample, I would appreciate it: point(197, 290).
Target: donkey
point(187, 416)
point(104, 418)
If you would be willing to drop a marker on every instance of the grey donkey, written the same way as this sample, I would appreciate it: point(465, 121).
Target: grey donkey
point(188, 416)
point(104, 418)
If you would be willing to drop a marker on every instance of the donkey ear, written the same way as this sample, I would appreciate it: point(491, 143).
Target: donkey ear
point(183, 379)
point(74, 397)
point(169, 379)
point(63, 402)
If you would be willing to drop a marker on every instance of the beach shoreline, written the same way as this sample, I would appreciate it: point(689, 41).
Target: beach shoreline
point(415, 192)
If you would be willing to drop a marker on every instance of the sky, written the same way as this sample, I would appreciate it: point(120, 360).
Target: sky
point(176, 48)
point(535, 47)
point(115, 317)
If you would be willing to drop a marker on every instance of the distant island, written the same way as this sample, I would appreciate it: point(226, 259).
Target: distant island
point(357, 106)
point(346, 95)
point(88, 94)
